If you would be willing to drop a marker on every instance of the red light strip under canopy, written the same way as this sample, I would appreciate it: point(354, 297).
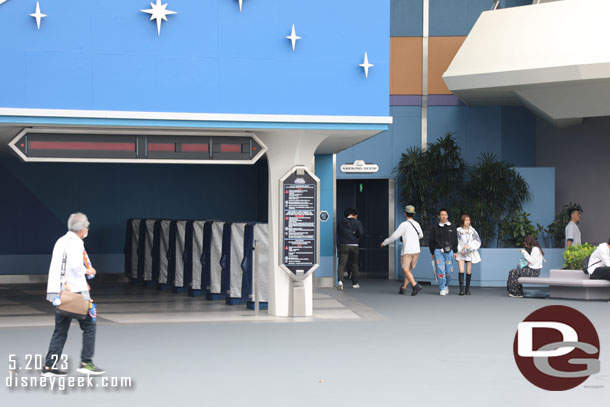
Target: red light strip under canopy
point(161, 147)
point(81, 145)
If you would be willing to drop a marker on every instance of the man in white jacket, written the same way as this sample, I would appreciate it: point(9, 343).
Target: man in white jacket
point(411, 232)
point(599, 262)
point(77, 269)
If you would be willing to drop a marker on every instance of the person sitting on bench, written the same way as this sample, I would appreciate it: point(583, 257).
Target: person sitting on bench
point(599, 262)
point(530, 266)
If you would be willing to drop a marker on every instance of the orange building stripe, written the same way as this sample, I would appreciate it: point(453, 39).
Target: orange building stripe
point(405, 65)
point(441, 51)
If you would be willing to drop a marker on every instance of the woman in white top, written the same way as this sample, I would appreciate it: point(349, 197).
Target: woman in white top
point(533, 256)
point(468, 245)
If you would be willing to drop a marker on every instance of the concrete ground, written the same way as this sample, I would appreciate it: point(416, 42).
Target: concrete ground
point(362, 347)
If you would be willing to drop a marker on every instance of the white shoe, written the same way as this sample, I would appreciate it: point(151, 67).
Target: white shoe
point(356, 286)
point(514, 296)
point(340, 286)
point(444, 292)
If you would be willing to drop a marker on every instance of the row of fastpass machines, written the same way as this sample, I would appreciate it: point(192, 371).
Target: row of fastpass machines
point(200, 257)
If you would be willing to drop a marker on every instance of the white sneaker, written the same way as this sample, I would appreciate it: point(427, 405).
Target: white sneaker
point(356, 286)
point(514, 296)
point(444, 292)
point(340, 286)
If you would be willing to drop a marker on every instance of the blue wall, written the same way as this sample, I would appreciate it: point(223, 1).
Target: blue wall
point(324, 171)
point(493, 269)
point(406, 18)
point(477, 129)
point(41, 197)
point(507, 132)
point(447, 17)
point(209, 58)
point(541, 183)
point(386, 148)
point(456, 17)
point(519, 136)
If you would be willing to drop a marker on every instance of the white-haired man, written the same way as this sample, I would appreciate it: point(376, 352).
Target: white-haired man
point(77, 268)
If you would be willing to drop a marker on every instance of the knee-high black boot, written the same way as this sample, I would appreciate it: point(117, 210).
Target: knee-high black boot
point(461, 278)
point(468, 276)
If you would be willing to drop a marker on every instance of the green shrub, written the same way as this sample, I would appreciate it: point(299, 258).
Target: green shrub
point(512, 229)
point(574, 255)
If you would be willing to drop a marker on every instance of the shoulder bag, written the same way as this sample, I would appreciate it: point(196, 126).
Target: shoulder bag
point(73, 305)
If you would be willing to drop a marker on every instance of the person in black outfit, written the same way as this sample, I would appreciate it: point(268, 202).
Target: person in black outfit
point(443, 247)
point(349, 231)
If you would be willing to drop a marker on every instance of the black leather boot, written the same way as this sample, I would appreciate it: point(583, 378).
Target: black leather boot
point(468, 276)
point(461, 278)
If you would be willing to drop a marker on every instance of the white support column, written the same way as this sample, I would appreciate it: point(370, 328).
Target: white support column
point(424, 97)
point(284, 152)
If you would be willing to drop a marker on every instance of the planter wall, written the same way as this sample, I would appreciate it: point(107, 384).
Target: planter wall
point(493, 269)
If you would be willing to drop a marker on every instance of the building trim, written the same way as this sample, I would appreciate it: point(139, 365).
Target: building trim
point(189, 117)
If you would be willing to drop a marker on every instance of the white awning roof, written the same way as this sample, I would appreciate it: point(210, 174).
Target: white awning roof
point(552, 57)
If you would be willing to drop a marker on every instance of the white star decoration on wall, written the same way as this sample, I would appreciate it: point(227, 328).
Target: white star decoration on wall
point(293, 37)
point(158, 12)
point(38, 15)
point(366, 65)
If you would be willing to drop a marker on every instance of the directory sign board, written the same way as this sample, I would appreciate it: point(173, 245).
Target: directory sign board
point(299, 210)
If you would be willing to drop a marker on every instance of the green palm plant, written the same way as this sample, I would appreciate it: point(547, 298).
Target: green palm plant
point(494, 190)
point(448, 172)
point(415, 183)
point(432, 178)
point(512, 229)
point(438, 177)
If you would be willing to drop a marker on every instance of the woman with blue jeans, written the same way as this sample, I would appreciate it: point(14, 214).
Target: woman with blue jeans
point(443, 247)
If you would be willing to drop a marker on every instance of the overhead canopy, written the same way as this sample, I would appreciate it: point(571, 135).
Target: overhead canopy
point(551, 57)
point(340, 132)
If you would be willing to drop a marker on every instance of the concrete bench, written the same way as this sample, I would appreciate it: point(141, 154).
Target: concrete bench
point(571, 284)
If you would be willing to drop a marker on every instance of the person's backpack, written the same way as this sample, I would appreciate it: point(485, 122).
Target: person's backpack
point(585, 264)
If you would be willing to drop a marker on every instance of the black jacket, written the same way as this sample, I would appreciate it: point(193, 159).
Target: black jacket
point(349, 230)
point(441, 236)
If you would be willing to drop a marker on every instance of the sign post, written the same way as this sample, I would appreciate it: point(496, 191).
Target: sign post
point(299, 253)
point(300, 207)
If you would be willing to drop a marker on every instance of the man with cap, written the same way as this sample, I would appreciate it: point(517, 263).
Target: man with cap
point(411, 232)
